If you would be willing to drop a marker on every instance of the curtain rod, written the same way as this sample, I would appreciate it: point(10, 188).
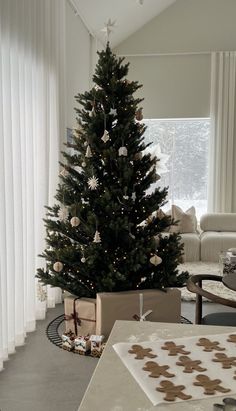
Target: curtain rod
point(165, 54)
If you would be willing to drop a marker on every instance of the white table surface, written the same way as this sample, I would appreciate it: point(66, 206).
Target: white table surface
point(112, 387)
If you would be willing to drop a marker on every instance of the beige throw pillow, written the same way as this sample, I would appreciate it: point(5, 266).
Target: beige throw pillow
point(187, 220)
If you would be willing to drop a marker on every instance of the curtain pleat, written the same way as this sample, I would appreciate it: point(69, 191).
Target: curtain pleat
point(32, 123)
point(222, 166)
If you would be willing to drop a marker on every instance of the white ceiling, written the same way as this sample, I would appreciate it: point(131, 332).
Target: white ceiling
point(130, 15)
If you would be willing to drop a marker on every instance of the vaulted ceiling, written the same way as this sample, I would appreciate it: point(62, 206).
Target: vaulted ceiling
point(130, 15)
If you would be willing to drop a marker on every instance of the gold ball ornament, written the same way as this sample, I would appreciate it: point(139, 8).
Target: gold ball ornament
point(155, 260)
point(57, 266)
point(75, 221)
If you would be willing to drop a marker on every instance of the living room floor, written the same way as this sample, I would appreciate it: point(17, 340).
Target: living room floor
point(42, 377)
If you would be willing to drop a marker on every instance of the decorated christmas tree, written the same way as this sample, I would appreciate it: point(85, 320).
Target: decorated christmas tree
point(106, 232)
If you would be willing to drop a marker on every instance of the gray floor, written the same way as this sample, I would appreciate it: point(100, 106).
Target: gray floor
point(42, 377)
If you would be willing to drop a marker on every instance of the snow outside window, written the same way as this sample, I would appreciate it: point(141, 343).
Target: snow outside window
point(182, 147)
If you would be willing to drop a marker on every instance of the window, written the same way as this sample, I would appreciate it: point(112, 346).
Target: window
point(182, 146)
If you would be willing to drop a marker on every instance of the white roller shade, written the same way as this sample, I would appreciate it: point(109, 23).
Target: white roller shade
point(174, 86)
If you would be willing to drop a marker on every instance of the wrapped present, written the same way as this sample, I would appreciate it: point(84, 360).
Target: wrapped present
point(68, 341)
point(141, 305)
point(97, 345)
point(82, 344)
point(80, 315)
point(231, 257)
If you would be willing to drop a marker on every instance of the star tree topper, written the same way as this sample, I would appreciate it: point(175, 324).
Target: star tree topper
point(108, 28)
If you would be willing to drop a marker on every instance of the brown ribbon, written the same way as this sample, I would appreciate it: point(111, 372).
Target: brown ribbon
point(75, 316)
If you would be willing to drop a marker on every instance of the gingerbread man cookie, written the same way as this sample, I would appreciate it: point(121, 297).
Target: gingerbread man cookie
point(156, 370)
point(141, 352)
point(189, 365)
point(174, 349)
point(210, 386)
point(227, 362)
point(209, 345)
point(232, 338)
point(172, 391)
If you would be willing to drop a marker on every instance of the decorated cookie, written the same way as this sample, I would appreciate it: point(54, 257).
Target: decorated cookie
point(141, 352)
point(232, 338)
point(174, 349)
point(156, 370)
point(172, 391)
point(210, 386)
point(227, 362)
point(209, 345)
point(189, 365)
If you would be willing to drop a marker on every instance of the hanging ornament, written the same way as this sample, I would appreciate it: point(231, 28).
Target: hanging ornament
point(78, 169)
point(138, 156)
point(92, 112)
point(133, 196)
point(75, 221)
point(83, 164)
point(155, 260)
point(97, 237)
point(63, 214)
point(83, 259)
point(139, 114)
point(123, 151)
point(58, 266)
point(113, 112)
point(105, 136)
point(125, 197)
point(93, 183)
point(64, 172)
point(88, 153)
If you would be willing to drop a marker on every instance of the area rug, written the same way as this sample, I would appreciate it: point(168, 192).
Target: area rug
point(213, 287)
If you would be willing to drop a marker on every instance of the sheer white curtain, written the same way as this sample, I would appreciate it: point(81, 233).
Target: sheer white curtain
point(31, 129)
point(222, 167)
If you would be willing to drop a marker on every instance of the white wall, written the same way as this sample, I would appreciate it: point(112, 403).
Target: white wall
point(78, 60)
point(179, 85)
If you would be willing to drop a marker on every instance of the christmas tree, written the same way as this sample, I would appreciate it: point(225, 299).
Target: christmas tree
point(105, 232)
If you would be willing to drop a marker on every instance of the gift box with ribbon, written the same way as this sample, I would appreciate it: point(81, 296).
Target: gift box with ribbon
point(97, 345)
point(80, 315)
point(140, 305)
point(82, 344)
point(68, 341)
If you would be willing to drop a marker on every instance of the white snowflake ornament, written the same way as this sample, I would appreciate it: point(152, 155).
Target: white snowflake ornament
point(97, 237)
point(105, 136)
point(63, 214)
point(88, 153)
point(93, 183)
point(123, 151)
point(155, 260)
